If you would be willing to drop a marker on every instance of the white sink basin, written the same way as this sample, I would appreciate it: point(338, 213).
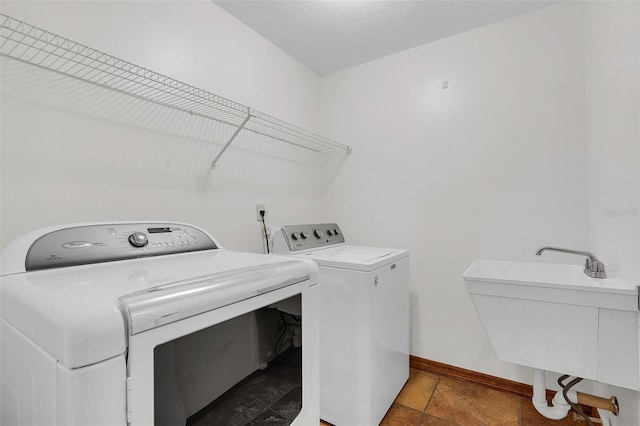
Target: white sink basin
point(554, 317)
point(549, 282)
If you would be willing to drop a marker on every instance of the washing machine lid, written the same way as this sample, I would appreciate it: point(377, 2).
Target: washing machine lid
point(358, 258)
point(75, 314)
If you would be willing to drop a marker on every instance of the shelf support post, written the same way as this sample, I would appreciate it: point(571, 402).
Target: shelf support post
point(240, 127)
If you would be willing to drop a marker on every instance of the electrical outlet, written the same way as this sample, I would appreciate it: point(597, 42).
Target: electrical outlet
point(259, 207)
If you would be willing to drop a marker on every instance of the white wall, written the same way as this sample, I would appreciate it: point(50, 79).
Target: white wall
point(490, 168)
point(505, 159)
point(72, 153)
point(613, 119)
point(535, 141)
point(613, 95)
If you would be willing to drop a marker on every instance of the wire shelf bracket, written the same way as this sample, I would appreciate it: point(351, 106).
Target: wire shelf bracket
point(29, 44)
point(224, 148)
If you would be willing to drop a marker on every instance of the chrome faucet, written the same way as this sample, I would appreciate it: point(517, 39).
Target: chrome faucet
point(592, 267)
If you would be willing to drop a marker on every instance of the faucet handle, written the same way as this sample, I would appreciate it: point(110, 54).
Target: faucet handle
point(594, 268)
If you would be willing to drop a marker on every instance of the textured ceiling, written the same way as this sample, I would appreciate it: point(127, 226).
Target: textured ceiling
point(329, 36)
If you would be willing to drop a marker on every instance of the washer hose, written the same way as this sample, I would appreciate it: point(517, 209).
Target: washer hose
point(574, 406)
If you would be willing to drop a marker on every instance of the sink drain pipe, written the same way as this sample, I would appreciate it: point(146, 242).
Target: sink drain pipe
point(563, 401)
point(559, 408)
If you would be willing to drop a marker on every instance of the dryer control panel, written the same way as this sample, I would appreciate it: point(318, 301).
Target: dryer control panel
point(85, 244)
point(306, 237)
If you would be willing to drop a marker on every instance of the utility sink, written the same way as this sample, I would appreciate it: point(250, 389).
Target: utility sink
point(555, 317)
point(558, 283)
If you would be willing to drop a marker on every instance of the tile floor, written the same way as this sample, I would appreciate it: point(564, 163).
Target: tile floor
point(434, 400)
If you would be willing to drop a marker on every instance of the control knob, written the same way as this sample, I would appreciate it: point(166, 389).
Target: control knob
point(330, 232)
point(318, 233)
point(295, 235)
point(138, 239)
point(305, 235)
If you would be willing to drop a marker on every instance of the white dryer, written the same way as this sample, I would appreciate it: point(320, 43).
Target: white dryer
point(364, 321)
point(153, 324)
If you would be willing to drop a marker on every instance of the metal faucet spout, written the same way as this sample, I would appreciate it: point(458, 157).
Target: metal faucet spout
point(592, 267)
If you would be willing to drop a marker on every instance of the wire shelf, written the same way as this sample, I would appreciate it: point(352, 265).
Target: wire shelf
point(30, 44)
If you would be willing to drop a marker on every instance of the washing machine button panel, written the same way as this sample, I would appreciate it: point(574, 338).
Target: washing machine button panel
point(311, 236)
point(82, 245)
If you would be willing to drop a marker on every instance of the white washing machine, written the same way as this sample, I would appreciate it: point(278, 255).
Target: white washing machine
point(152, 324)
point(364, 321)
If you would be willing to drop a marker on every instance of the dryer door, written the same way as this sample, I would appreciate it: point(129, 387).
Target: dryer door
point(191, 343)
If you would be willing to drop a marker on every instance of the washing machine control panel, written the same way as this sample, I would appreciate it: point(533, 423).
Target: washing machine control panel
point(310, 236)
point(85, 244)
